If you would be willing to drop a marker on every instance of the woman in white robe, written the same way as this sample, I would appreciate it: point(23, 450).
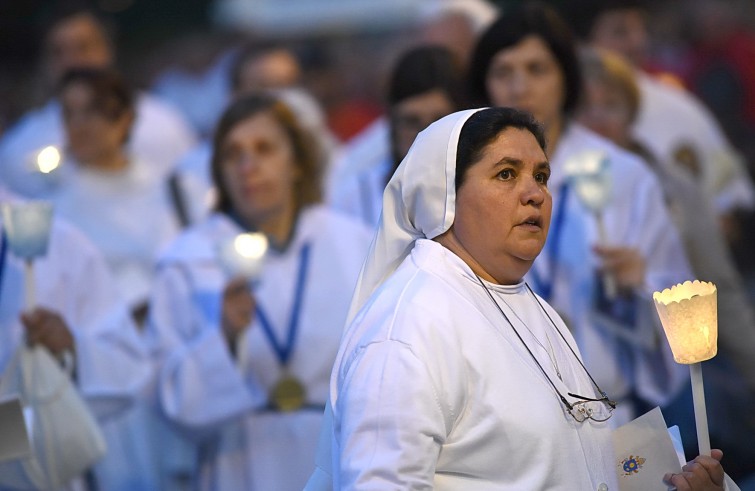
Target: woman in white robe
point(224, 348)
point(120, 204)
point(452, 373)
point(600, 281)
point(81, 313)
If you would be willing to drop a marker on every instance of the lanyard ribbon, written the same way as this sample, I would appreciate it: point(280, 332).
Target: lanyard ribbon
point(284, 351)
point(544, 286)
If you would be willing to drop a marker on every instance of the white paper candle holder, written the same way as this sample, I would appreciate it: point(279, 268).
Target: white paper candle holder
point(243, 255)
point(27, 227)
point(689, 316)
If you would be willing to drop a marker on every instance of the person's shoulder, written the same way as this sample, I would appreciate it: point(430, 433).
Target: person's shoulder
point(32, 124)
point(321, 219)
point(366, 150)
point(194, 243)
point(620, 158)
point(675, 99)
point(158, 111)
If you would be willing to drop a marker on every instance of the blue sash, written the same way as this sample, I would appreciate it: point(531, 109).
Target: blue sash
point(283, 351)
point(544, 285)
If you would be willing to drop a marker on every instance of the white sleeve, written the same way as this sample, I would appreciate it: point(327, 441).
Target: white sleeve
point(389, 425)
point(112, 362)
point(199, 382)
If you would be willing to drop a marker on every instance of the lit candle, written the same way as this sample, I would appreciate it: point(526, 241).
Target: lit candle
point(689, 316)
point(243, 255)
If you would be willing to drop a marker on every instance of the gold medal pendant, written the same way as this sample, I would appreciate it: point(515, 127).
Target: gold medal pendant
point(288, 394)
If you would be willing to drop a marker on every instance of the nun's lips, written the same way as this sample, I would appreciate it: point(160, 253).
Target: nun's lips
point(534, 221)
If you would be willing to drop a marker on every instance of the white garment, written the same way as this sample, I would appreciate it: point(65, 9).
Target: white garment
point(670, 119)
point(159, 137)
point(244, 445)
point(194, 177)
point(420, 202)
point(427, 414)
point(635, 216)
point(127, 214)
point(360, 172)
point(112, 363)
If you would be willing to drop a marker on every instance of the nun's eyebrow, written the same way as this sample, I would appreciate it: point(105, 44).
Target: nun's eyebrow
point(509, 161)
point(514, 162)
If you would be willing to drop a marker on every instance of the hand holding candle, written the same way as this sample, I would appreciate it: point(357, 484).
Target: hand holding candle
point(690, 320)
point(243, 255)
point(241, 258)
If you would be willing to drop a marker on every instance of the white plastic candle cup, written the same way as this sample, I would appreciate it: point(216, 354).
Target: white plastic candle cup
point(589, 174)
point(243, 255)
point(690, 319)
point(27, 227)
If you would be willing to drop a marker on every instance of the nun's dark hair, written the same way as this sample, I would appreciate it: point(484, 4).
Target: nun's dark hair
point(511, 28)
point(483, 127)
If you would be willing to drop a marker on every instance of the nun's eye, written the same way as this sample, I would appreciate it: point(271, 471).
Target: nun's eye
point(506, 174)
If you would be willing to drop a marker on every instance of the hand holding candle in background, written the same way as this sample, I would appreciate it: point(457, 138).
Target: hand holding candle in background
point(241, 259)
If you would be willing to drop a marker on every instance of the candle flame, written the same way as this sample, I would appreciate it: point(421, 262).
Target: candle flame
point(48, 159)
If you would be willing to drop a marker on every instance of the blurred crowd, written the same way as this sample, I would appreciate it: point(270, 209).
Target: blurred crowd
point(204, 378)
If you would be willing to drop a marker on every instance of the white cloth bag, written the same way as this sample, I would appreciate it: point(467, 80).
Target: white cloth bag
point(66, 439)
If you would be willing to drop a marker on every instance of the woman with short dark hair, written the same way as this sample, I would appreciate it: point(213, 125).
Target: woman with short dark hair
point(604, 258)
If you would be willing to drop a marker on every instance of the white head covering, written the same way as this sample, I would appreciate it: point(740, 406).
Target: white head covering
point(418, 202)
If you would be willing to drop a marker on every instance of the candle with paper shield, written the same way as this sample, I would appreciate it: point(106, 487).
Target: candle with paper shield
point(689, 316)
point(243, 255)
point(590, 177)
point(27, 228)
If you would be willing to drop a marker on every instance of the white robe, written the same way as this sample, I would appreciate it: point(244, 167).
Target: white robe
point(127, 214)
point(671, 119)
point(433, 390)
point(360, 174)
point(201, 386)
point(635, 216)
point(112, 363)
point(159, 137)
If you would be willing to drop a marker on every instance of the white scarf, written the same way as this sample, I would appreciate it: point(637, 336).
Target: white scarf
point(418, 202)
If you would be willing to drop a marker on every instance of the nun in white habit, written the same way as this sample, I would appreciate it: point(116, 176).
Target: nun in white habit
point(452, 373)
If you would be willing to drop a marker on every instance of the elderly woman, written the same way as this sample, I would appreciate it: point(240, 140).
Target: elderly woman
point(601, 263)
point(453, 374)
point(246, 370)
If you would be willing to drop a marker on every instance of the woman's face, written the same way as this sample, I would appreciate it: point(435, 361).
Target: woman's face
point(503, 207)
point(91, 134)
point(258, 168)
point(605, 109)
point(527, 76)
point(414, 114)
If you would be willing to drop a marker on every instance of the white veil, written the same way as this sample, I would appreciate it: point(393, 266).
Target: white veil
point(418, 202)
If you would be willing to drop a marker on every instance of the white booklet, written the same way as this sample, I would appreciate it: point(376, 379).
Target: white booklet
point(14, 443)
point(645, 453)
